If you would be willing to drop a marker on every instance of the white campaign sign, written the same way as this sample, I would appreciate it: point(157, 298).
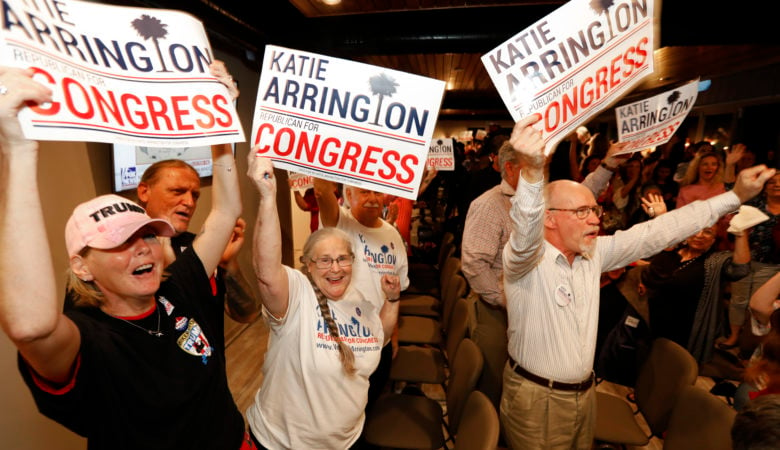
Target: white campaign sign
point(119, 74)
point(574, 63)
point(299, 181)
point(348, 122)
point(441, 155)
point(653, 121)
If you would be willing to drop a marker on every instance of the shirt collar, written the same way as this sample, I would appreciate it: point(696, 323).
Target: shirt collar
point(506, 188)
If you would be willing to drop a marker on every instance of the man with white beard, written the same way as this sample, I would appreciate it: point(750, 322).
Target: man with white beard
point(552, 266)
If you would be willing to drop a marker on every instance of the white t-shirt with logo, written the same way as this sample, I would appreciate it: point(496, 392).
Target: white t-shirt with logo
point(306, 400)
point(378, 251)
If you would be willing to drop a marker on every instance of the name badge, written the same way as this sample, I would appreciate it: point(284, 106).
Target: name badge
point(562, 295)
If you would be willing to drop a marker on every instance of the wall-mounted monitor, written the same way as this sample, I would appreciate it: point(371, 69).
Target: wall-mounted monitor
point(129, 162)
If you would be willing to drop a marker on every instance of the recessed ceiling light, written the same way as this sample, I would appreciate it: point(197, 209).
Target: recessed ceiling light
point(331, 2)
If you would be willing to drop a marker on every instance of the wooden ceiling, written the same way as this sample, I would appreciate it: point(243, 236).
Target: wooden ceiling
point(445, 39)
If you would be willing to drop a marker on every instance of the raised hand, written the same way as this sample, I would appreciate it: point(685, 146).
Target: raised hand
point(391, 286)
point(734, 154)
point(653, 205)
point(17, 89)
point(614, 158)
point(527, 141)
point(750, 181)
point(261, 172)
point(219, 70)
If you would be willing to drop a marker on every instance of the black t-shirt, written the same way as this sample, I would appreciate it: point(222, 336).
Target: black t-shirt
point(183, 242)
point(674, 292)
point(132, 390)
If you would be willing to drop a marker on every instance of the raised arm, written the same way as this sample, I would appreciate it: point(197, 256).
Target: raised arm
point(267, 246)
point(733, 155)
point(325, 192)
point(30, 308)
point(226, 196)
point(527, 141)
point(526, 240)
point(391, 286)
point(762, 301)
point(240, 302)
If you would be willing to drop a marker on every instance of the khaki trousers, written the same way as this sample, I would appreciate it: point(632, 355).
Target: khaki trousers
point(537, 417)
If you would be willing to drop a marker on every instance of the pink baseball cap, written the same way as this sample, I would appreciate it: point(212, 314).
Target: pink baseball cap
point(106, 222)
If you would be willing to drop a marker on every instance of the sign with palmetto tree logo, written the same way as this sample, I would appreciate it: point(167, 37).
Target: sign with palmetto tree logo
point(653, 121)
point(345, 121)
point(574, 63)
point(119, 74)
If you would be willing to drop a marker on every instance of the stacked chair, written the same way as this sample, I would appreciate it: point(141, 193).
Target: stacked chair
point(479, 425)
point(667, 372)
point(423, 319)
point(699, 421)
point(430, 304)
point(429, 364)
point(424, 277)
point(419, 422)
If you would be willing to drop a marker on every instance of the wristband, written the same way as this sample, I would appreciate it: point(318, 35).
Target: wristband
point(611, 169)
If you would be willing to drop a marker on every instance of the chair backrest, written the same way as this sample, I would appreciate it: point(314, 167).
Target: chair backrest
point(447, 242)
point(458, 288)
point(465, 371)
point(699, 421)
point(450, 267)
point(479, 426)
point(458, 329)
point(669, 369)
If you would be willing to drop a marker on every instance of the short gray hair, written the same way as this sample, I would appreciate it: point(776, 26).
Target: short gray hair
point(507, 153)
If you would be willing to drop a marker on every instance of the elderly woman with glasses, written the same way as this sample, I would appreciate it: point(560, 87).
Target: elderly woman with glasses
point(684, 288)
point(326, 339)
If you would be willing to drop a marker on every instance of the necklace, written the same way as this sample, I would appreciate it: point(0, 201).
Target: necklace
point(156, 333)
point(685, 264)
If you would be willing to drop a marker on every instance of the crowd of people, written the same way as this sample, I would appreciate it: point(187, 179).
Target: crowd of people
point(142, 321)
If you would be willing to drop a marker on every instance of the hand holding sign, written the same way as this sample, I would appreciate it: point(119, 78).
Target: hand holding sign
point(16, 89)
point(261, 172)
point(527, 141)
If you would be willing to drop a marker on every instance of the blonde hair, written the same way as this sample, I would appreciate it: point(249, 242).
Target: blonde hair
point(83, 293)
point(345, 353)
point(86, 293)
point(692, 173)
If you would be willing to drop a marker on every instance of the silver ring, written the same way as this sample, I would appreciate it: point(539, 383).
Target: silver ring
point(3, 89)
point(650, 211)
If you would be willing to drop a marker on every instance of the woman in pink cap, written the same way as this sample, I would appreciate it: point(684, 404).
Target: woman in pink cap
point(131, 366)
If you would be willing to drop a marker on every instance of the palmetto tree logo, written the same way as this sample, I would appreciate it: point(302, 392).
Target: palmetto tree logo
point(602, 7)
point(382, 85)
point(356, 323)
point(673, 97)
point(149, 27)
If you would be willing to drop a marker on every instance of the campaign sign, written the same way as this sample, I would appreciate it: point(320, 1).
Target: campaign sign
point(118, 74)
point(653, 121)
point(441, 155)
point(348, 122)
point(299, 181)
point(574, 63)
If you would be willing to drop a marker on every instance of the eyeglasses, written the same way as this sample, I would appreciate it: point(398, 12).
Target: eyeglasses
point(583, 211)
point(326, 262)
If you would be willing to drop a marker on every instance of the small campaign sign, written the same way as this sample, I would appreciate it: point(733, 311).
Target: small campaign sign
point(653, 121)
point(299, 181)
point(441, 155)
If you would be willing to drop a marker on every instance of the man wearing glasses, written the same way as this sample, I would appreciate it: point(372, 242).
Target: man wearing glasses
point(486, 231)
point(552, 266)
point(379, 250)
